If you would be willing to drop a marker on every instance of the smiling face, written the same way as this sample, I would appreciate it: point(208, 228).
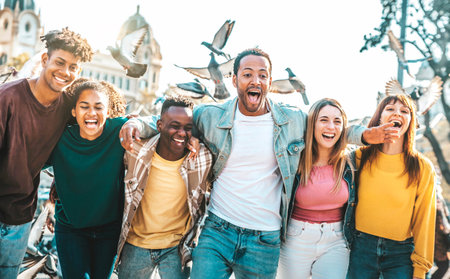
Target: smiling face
point(328, 127)
point(91, 112)
point(252, 82)
point(59, 69)
point(399, 114)
point(175, 127)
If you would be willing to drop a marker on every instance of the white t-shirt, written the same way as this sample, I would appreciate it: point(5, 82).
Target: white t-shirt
point(248, 191)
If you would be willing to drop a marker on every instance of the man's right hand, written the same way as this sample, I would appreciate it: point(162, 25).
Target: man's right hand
point(128, 133)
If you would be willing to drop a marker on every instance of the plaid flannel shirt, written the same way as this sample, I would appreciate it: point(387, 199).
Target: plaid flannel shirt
point(195, 174)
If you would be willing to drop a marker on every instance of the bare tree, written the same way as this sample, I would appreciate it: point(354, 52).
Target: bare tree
point(428, 31)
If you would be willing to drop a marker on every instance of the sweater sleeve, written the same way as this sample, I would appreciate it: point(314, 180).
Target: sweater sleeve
point(423, 221)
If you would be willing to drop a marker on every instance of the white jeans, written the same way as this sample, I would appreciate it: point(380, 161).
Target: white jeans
point(317, 250)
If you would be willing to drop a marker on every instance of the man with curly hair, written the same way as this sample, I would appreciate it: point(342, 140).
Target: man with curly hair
point(33, 114)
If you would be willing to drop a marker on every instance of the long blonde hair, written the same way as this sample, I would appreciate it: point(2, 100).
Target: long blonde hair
point(309, 155)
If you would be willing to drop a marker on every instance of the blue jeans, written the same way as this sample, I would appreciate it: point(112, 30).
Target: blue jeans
point(137, 262)
point(13, 245)
point(88, 252)
point(372, 256)
point(224, 248)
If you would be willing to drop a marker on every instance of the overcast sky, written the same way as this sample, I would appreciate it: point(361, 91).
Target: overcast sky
point(318, 40)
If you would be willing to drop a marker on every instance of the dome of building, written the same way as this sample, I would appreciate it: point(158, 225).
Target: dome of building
point(132, 24)
point(23, 4)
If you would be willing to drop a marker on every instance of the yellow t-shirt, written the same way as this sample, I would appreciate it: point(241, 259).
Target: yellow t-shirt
point(388, 208)
point(163, 215)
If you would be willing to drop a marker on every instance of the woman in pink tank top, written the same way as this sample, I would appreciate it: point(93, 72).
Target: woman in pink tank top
point(316, 243)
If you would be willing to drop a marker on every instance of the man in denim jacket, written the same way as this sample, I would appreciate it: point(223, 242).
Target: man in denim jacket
point(256, 148)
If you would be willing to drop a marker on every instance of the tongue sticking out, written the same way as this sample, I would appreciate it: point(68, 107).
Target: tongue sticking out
point(253, 97)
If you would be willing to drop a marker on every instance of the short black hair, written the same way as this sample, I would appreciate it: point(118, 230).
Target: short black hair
point(250, 51)
point(69, 41)
point(176, 101)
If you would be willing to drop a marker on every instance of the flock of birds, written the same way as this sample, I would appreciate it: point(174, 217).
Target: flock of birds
point(127, 45)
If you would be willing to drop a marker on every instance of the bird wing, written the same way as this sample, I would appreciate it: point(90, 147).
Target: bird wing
point(200, 72)
point(430, 95)
point(33, 67)
point(37, 230)
point(396, 46)
point(393, 87)
point(195, 87)
point(221, 36)
point(130, 44)
point(282, 86)
point(186, 92)
point(227, 68)
point(33, 269)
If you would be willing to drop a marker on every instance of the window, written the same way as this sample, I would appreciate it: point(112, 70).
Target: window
point(5, 24)
point(113, 79)
point(127, 84)
point(27, 27)
point(105, 77)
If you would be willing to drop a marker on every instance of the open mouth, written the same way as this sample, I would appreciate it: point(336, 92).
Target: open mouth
point(253, 96)
point(328, 136)
point(397, 124)
point(91, 123)
point(61, 80)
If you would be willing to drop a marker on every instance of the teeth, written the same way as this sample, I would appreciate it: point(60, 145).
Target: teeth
point(91, 121)
point(60, 79)
point(328, 135)
point(177, 140)
point(397, 123)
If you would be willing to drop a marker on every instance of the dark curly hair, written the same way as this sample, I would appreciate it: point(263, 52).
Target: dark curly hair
point(116, 100)
point(69, 41)
point(250, 51)
point(176, 101)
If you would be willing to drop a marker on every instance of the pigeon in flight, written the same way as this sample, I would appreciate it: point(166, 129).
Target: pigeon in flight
point(290, 85)
point(220, 39)
point(215, 72)
point(396, 46)
point(425, 98)
point(126, 53)
point(195, 90)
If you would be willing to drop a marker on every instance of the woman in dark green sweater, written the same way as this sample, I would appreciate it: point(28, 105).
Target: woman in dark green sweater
point(89, 171)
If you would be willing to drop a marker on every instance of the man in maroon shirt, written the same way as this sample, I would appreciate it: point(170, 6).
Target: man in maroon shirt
point(33, 114)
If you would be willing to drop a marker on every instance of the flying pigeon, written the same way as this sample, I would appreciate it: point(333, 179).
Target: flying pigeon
point(10, 72)
point(290, 85)
point(216, 72)
point(396, 46)
point(126, 53)
point(220, 39)
point(37, 231)
point(195, 90)
point(425, 98)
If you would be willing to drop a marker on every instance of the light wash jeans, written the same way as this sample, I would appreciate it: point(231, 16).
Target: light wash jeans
point(137, 262)
point(374, 257)
point(13, 245)
point(224, 248)
point(317, 250)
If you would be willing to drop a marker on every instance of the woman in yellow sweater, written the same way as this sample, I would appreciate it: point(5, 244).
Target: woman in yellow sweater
point(395, 214)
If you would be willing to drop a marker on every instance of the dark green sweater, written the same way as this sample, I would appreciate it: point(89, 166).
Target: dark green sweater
point(89, 177)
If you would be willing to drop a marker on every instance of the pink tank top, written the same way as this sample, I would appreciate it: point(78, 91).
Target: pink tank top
point(315, 203)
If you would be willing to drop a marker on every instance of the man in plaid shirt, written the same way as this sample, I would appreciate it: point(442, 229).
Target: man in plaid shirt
point(165, 198)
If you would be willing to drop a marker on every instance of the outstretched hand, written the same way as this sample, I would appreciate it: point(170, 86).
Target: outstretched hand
point(128, 133)
point(381, 134)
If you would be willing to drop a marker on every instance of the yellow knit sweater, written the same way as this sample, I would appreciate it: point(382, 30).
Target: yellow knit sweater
point(388, 208)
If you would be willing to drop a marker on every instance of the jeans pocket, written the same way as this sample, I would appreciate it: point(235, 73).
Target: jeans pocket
point(213, 224)
point(271, 239)
point(294, 231)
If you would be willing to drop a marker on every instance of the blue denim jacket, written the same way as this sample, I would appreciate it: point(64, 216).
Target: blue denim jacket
point(215, 121)
point(349, 217)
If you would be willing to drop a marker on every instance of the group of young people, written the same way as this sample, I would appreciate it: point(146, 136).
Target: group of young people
point(270, 192)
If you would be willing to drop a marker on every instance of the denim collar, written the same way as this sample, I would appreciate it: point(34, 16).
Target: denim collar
point(226, 121)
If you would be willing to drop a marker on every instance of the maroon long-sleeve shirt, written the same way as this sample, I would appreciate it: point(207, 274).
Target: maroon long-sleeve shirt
point(28, 133)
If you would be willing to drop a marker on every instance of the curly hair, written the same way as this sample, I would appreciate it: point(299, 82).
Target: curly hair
point(176, 101)
point(116, 100)
point(69, 41)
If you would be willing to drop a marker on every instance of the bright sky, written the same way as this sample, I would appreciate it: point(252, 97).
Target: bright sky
point(318, 40)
